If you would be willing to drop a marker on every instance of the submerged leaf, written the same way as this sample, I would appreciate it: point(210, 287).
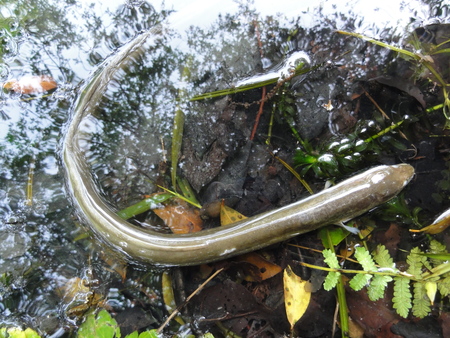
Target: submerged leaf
point(31, 84)
point(180, 217)
point(296, 296)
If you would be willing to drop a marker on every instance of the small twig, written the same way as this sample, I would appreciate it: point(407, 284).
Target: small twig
point(177, 310)
point(258, 116)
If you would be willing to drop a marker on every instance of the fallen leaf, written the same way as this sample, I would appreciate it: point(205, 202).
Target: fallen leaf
point(229, 215)
point(296, 296)
point(266, 269)
point(31, 84)
point(180, 217)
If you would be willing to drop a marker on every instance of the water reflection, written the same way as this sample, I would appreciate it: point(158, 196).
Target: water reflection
point(131, 130)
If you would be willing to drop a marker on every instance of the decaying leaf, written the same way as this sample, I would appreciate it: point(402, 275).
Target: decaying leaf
point(31, 84)
point(180, 217)
point(296, 296)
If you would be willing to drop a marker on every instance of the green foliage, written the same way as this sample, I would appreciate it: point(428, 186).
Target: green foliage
point(402, 296)
point(426, 274)
point(345, 155)
point(103, 325)
point(15, 332)
point(333, 276)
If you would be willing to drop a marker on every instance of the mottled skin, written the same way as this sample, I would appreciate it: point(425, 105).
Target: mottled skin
point(344, 201)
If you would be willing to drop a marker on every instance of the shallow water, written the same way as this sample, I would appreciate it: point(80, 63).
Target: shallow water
point(40, 248)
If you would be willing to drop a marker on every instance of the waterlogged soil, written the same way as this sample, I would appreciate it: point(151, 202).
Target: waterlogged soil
point(234, 151)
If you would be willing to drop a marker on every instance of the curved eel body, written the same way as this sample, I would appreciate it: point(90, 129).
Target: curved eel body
point(344, 201)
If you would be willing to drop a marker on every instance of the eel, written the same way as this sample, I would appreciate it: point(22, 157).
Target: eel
point(341, 202)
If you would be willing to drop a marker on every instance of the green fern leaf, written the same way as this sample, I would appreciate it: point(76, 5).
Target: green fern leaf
point(416, 262)
point(333, 276)
point(421, 303)
point(359, 281)
point(444, 286)
point(437, 248)
point(377, 286)
point(331, 259)
point(365, 259)
point(402, 296)
point(331, 280)
point(383, 258)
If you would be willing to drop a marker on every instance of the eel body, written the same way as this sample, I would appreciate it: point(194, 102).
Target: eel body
point(344, 201)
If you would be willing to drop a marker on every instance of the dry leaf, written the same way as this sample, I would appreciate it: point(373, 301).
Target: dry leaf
point(180, 217)
point(31, 84)
point(296, 296)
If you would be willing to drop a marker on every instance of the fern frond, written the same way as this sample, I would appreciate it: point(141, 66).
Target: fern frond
point(377, 286)
point(444, 286)
point(333, 276)
point(359, 281)
point(331, 280)
point(365, 259)
point(382, 257)
point(421, 302)
point(416, 262)
point(331, 259)
point(402, 296)
point(437, 248)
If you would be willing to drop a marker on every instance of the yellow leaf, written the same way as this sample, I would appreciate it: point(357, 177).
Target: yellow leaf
point(431, 288)
point(228, 215)
point(296, 296)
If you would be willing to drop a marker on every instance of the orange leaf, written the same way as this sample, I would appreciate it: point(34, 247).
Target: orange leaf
point(179, 217)
point(266, 269)
point(31, 84)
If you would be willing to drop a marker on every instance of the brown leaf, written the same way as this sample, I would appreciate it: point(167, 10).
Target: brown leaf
point(31, 84)
point(180, 217)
